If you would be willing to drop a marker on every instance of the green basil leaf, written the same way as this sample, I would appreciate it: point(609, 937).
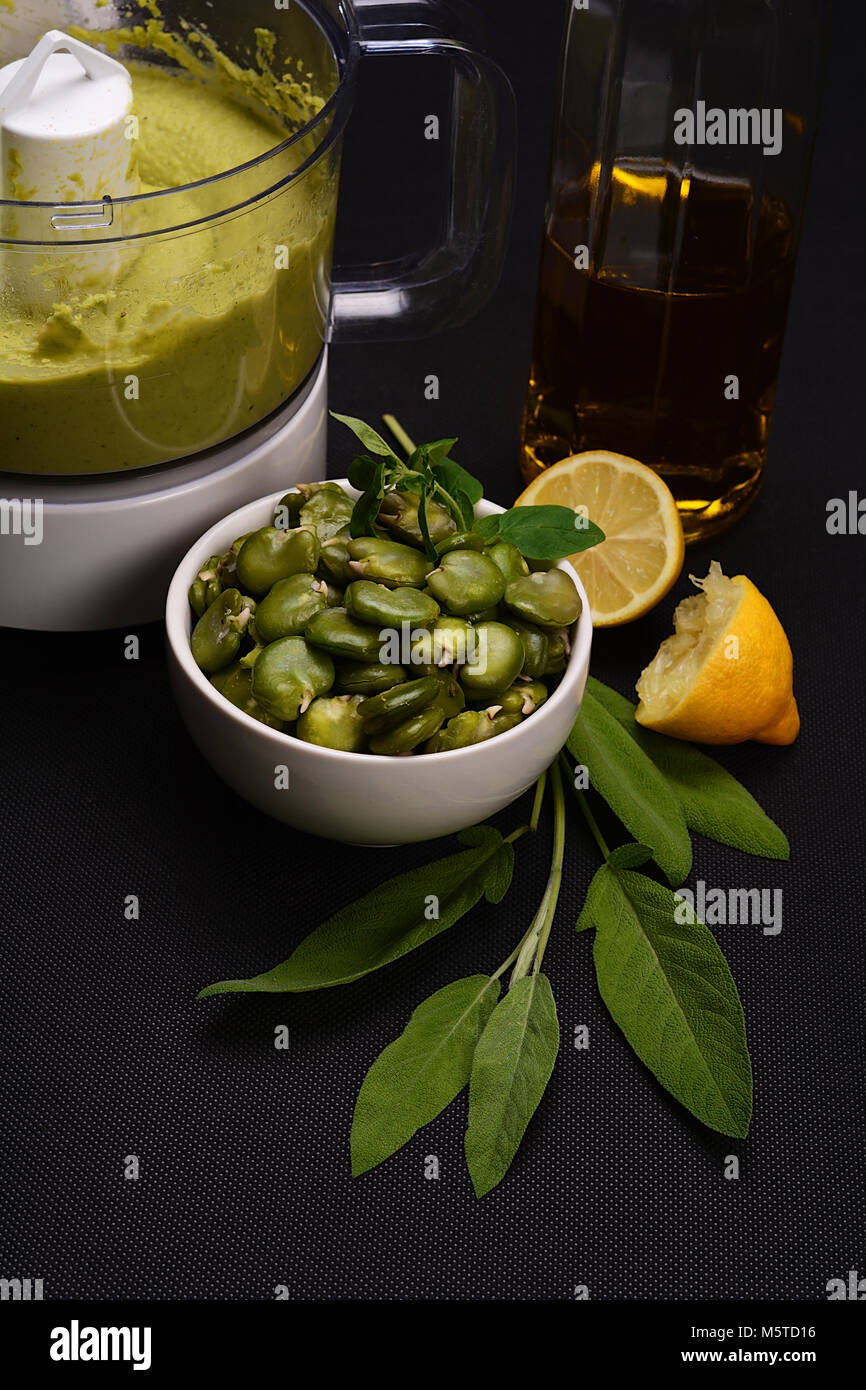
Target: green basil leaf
point(368, 437)
point(456, 479)
point(548, 533)
point(409, 481)
point(466, 508)
point(667, 985)
point(424, 528)
point(422, 1071)
point(425, 456)
point(487, 526)
point(362, 471)
point(391, 920)
point(439, 450)
point(512, 1066)
point(632, 786)
point(715, 804)
point(366, 509)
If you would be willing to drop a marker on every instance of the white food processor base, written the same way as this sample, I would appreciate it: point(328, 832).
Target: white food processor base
point(109, 545)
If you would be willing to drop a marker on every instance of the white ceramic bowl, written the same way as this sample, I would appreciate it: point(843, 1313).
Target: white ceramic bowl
point(359, 797)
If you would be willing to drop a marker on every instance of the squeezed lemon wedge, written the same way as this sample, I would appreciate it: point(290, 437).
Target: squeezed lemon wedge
point(726, 674)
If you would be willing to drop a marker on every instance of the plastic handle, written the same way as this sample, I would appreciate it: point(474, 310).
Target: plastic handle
point(417, 295)
point(18, 92)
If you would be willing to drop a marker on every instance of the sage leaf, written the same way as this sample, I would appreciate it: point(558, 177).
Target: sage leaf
point(629, 856)
point(667, 985)
point(391, 920)
point(715, 804)
point(512, 1066)
point(422, 1071)
point(487, 526)
point(632, 786)
point(368, 436)
point(454, 478)
point(548, 532)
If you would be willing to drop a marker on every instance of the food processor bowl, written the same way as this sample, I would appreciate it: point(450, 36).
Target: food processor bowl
point(142, 329)
point(163, 354)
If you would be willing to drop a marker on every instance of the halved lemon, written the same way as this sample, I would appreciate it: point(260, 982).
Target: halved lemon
point(642, 554)
point(727, 672)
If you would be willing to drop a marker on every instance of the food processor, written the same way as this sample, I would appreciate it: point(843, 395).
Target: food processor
point(169, 176)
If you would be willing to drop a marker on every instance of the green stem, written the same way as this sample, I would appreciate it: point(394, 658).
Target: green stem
point(450, 502)
point(528, 934)
point(408, 444)
point(399, 433)
point(554, 882)
point(539, 798)
point(590, 819)
point(534, 942)
point(514, 954)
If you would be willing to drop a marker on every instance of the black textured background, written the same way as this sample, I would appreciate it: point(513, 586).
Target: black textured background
point(244, 1156)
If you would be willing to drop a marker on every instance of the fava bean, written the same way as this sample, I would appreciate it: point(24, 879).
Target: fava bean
point(535, 645)
point(228, 564)
point(389, 608)
point(547, 598)
point(461, 540)
point(524, 697)
point(359, 678)
point(496, 662)
point(287, 512)
point(558, 650)
point(327, 510)
point(449, 697)
point(288, 607)
point(466, 582)
point(508, 560)
point(217, 636)
point(388, 562)
point(235, 683)
point(288, 676)
point(270, 554)
point(384, 711)
point(333, 722)
point(473, 726)
point(306, 628)
point(334, 559)
point(406, 736)
point(447, 642)
point(333, 630)
point(399, 513)
point(205, 587)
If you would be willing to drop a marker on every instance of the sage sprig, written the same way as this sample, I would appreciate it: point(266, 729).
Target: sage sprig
point(506, 1050)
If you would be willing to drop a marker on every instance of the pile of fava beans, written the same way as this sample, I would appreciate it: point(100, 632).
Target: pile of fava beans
point(368, 646)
